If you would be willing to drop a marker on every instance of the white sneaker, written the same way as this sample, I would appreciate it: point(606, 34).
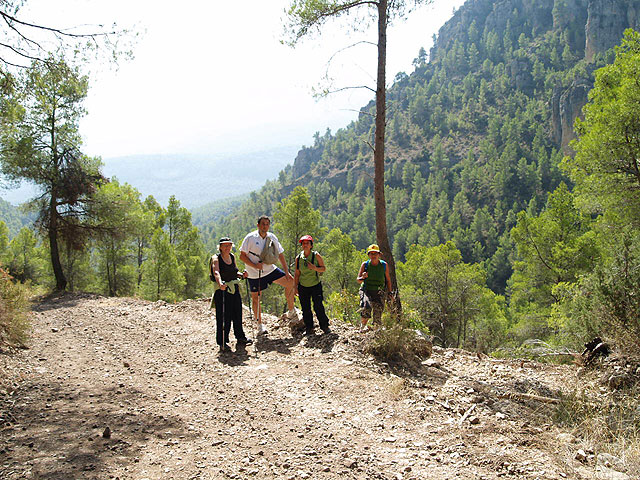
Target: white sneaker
point(292, 314)
point(261, 329)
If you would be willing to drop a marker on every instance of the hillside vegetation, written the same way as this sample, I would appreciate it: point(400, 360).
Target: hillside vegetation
point(501, 233)
point(476, 137)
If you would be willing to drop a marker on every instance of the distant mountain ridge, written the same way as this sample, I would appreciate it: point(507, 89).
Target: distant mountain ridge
point(195, 180)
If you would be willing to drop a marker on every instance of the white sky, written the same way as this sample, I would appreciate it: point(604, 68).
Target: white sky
point(211, 76)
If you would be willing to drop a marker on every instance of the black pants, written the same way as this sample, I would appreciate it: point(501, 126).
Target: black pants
point(231, 305)
point(306, 294)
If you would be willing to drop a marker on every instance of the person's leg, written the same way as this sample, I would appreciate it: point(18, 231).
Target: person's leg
point(256, 286)
point(365, 309)
point(236, 317)
point(227, 306)
point(377, 303)
point(305, 302)
point(219, 318)
point(318, 307)
point(289, 291)
point(257, 313)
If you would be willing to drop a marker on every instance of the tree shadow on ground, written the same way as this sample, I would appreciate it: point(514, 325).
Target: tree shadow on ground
point(56, 300)
point(56, 431)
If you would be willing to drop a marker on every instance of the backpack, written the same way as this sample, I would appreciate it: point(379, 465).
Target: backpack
point(313, 260)
point(366, 265)
point(269, 253)
point(384, 264)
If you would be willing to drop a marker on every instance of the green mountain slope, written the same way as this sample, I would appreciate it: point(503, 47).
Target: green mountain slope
point(475, 133)
point(14, 218)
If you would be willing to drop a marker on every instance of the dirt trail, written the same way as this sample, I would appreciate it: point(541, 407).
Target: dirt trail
point(174, 408)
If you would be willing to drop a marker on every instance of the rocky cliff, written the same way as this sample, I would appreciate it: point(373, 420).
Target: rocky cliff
point(592, 27)
point(606, 22)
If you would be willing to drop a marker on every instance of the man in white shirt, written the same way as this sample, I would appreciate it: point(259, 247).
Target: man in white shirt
point(261, 275)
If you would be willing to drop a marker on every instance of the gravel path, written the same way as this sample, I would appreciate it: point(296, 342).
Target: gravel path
point(120, 388)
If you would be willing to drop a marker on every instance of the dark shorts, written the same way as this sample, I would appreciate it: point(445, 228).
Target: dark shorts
point(371, 300)
point(262, 283)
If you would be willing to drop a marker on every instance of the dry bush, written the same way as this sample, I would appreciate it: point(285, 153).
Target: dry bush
point(395, 341)
point(608, 427)
point(14, 305)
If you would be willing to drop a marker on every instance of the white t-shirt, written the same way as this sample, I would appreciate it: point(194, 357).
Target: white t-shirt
point(252, 245)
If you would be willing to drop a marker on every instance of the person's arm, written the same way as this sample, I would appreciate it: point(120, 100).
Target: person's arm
point(285, 267)
point(216, 273)
point(247, 261)
point(362, 274)
point(320, 268)
point(387, 277)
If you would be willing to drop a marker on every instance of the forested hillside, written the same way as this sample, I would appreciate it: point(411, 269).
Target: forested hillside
point(475, 132)
point(501, 233)
point(13, 218)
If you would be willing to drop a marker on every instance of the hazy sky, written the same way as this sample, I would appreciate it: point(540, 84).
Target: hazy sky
point(212, 76)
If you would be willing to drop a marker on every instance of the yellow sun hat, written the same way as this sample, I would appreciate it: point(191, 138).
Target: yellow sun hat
point(373, 248)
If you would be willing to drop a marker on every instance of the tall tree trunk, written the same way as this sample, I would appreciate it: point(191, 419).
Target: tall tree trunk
point(61, 281)
point(378, 152)
point(140, 258)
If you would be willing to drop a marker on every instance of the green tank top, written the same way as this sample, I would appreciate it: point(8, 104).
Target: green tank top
point(308, 277)
point(376, 277)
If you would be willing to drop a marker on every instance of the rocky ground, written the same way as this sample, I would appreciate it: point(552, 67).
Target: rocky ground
point(120, 388)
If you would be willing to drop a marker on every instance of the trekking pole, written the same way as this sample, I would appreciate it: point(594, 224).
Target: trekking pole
point(259, 297)
point(223, 322)
point(254, 326)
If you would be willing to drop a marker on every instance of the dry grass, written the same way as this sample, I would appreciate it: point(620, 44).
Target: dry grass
point(14, 305)
point(612, 426)
point(398, 388)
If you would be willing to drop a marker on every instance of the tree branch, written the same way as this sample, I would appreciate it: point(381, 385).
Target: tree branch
point(328, 92)
point(57, 31)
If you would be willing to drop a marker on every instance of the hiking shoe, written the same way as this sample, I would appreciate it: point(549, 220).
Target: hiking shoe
point(262, 330)
point(308, 333)
point(292, 314)
point(326, 330)
point(245, 341)
point(224, 348)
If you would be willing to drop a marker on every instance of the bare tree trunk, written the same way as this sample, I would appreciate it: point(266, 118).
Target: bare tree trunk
point(378, 153)
point(61, 281)
point(140, 259)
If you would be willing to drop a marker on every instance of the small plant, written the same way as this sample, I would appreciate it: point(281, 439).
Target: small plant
point(14, 304)
point(344, 305)
point(397, 341)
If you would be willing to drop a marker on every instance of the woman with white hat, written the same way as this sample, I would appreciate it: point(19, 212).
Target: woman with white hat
point(227, 299)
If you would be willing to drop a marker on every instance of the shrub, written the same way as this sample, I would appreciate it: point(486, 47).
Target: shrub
point(344, 305)
point(13, 311)
point(398, 341)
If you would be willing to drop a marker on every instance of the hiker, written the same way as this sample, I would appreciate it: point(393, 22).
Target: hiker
point(309, 267)
point(226, 296)
point(374, 277)
point(260, 250)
